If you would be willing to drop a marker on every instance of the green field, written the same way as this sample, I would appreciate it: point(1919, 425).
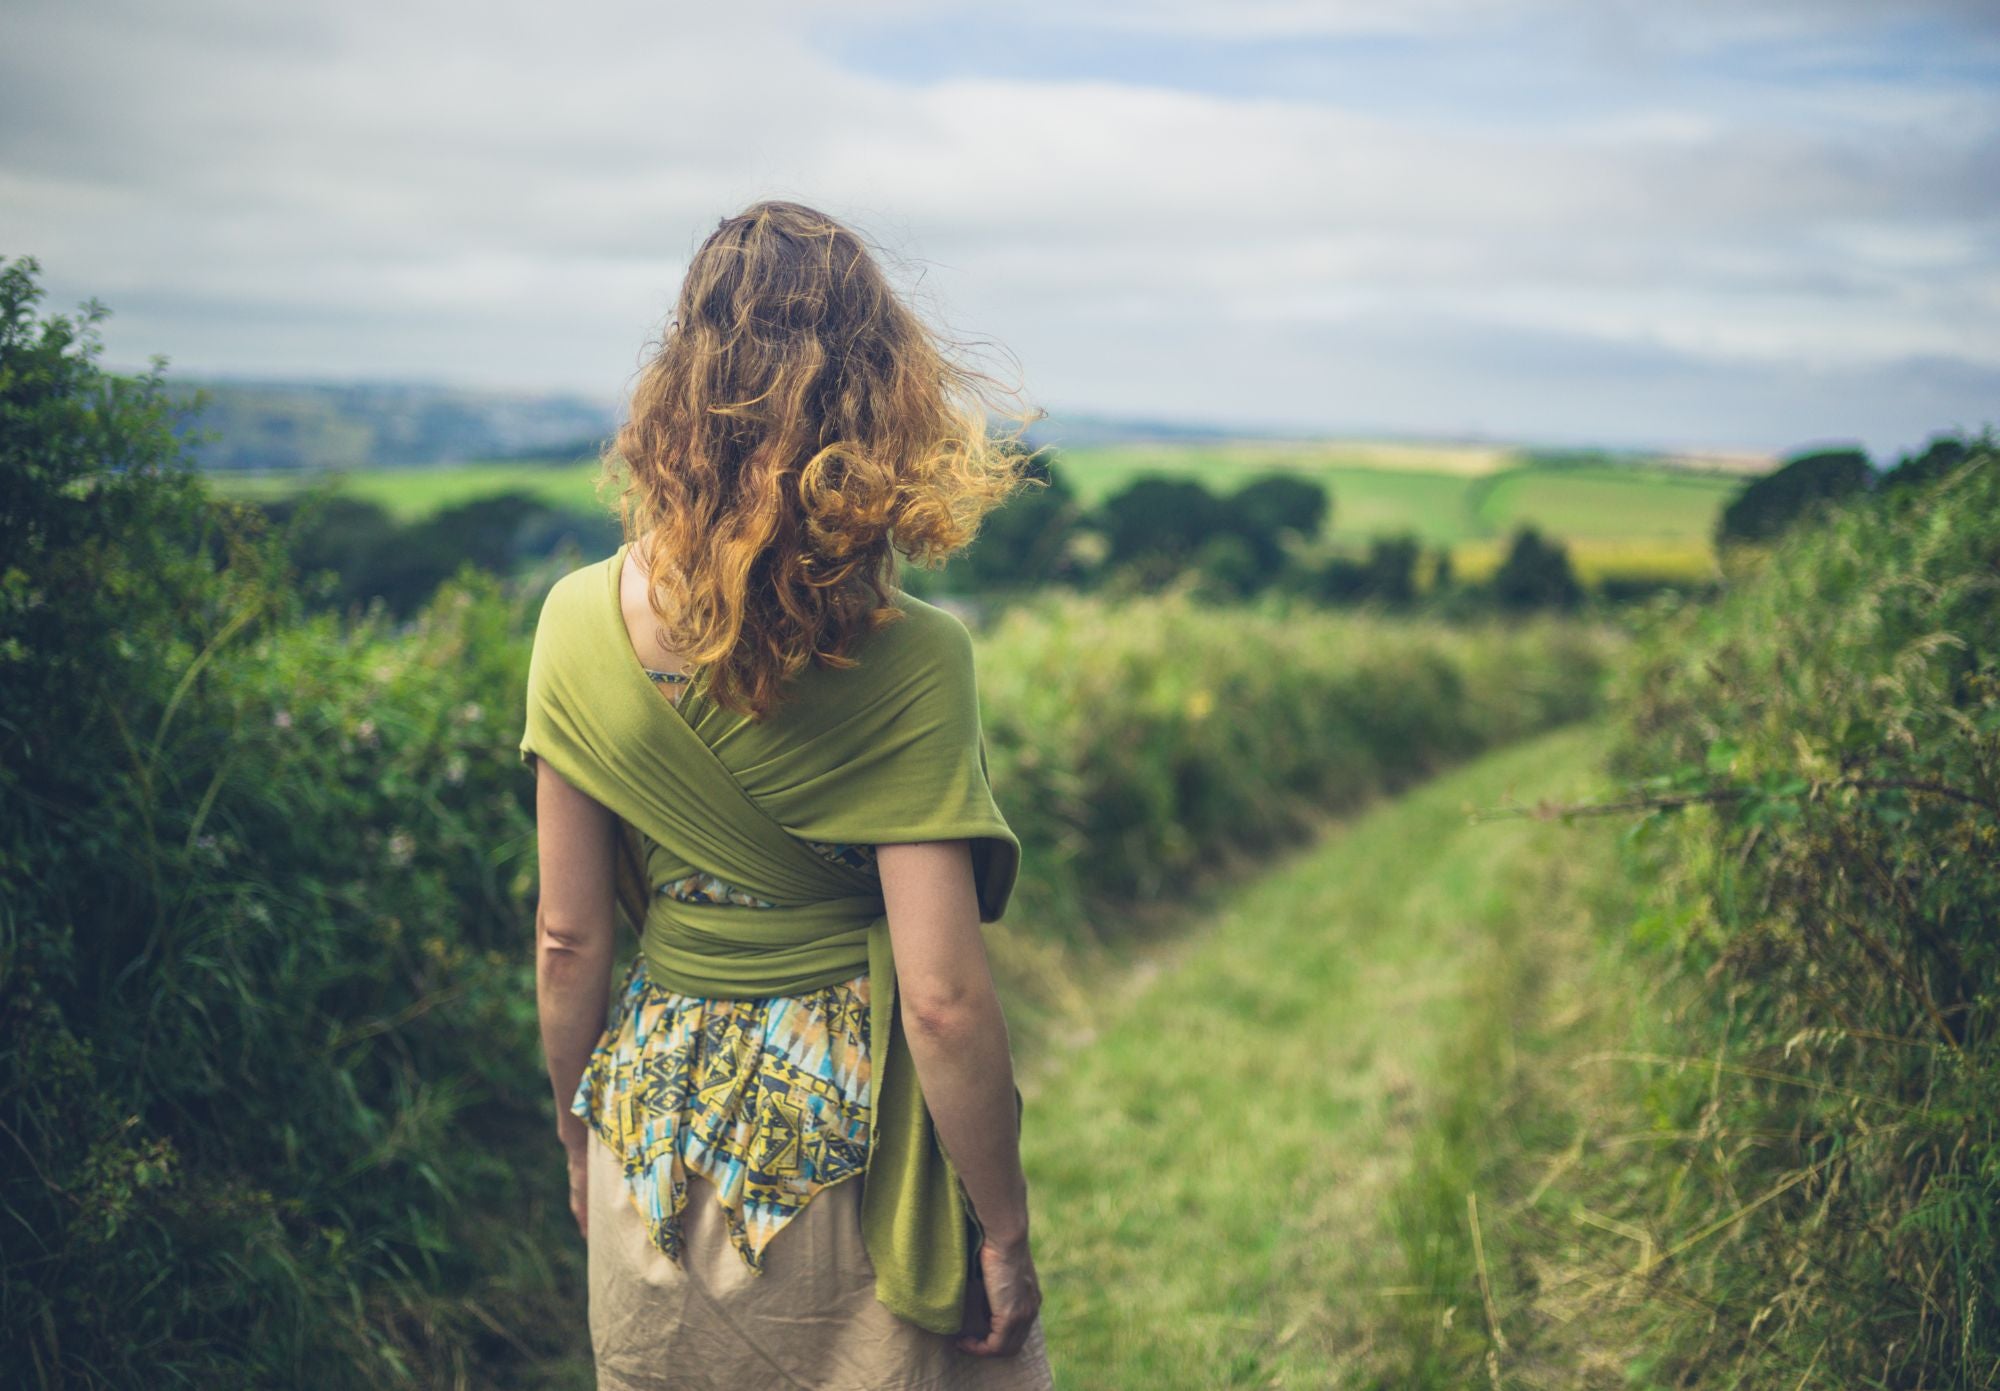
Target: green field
point(1642, 518)
point(414, 493)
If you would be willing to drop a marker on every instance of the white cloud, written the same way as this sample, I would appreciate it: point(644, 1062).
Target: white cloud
point(510, 198)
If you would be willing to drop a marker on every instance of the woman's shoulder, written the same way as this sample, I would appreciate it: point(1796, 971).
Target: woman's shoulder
point(925, 637)
point(580, 587)
point(928, 621)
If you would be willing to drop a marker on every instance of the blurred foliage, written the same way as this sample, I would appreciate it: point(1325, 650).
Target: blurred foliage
point(1536, 574)
point(1940, 456)
point(353, 551)
point(1266, 509)
point(1159, 527)
point(1132, 742)
point(1768, 505)
point(1027, 542)
point(1386, 574)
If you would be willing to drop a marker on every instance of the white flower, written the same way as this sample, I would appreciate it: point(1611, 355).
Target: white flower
point(401, 848)
point(283, 719)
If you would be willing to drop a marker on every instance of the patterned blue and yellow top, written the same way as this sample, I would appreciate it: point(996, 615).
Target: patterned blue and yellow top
point(767, 1099)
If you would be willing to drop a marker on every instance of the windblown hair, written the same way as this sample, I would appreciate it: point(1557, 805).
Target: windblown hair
point(799, 425)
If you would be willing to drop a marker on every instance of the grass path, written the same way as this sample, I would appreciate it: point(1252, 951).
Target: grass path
point(1254, 1173)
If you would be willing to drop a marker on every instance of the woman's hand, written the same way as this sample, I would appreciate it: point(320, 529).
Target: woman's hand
point(1006, 1302)
point(579, 1181)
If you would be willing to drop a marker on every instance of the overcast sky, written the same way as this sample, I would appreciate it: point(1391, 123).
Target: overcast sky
point(1749, 224)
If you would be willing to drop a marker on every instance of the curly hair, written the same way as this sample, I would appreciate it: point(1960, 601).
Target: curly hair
point(797, 427)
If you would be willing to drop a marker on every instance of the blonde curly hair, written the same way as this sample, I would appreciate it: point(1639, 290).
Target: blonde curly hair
point(797, 427)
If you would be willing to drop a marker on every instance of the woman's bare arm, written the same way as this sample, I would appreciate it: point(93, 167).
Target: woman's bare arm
point(958, 1040)
point(575, 941)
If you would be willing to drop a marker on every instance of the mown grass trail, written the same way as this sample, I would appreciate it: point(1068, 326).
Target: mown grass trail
point(1255, 1174)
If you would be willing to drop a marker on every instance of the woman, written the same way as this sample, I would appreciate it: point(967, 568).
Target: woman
point(794, 1153)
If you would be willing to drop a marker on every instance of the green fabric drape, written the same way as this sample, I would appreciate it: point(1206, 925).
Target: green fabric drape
point(889, 751)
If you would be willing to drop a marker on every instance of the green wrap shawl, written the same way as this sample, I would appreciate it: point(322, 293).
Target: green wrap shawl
point(888, 751)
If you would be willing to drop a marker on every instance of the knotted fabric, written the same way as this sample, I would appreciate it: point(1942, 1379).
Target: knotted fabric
point(889, 751)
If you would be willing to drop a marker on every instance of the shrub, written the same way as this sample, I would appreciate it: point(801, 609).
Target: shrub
point(1829, 895)
point(268, 1073)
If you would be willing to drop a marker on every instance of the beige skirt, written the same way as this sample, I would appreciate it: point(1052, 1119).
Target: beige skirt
point(810, 1319)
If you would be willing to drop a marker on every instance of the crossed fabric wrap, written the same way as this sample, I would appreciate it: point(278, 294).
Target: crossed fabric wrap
point(889, 751)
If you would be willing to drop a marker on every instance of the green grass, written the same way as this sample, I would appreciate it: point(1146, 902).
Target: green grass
point(411, 494)
point(1605, 504)
point(1238, 1180)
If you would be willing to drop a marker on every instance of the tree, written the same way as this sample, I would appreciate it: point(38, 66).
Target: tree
point(1441, 573)
point(1229, 568)
point(1386, 574)
point(1026, 542)
point(1159, 523)
point(1536, 574)
point(330, 534)
point(1392, 568)
point(1943, 454)
point(1768, 505)
point(1265, 510)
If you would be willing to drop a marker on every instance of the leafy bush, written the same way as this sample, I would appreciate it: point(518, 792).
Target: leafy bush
point(1829, 1151)
point(268, 1076)
point(1133, 742)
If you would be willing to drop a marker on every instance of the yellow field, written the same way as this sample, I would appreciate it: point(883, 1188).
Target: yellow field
point(1598, 560)
point(1313, 456)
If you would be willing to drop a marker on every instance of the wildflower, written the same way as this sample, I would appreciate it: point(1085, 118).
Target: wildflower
point(401, 848)
point(365, 732)
point(454, 769)
point(471, 712)
point(283, 719)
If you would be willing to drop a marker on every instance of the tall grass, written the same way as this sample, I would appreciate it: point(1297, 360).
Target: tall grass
point(1765, 1148)
point(1829, 1200)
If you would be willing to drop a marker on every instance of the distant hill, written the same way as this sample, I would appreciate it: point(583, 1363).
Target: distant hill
point(268, 426)
point(282, 426)
point(1073, 430)
point(1077, 430)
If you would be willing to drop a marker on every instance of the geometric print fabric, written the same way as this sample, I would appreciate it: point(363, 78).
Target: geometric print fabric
point(768, 1099)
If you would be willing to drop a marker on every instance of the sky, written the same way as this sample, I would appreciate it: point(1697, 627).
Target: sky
point(1764, 224)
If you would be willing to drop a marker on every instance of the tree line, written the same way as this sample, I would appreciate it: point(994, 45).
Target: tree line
point(1267, 535)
